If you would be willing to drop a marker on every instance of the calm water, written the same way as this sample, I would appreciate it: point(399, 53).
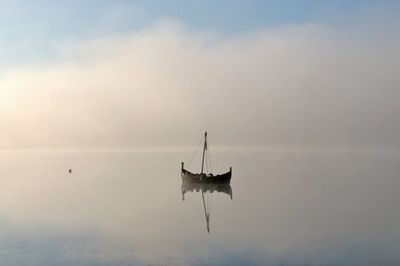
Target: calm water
point(126, 208)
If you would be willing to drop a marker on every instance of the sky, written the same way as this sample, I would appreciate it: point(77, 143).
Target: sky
point(31, 28)
point(159, 73)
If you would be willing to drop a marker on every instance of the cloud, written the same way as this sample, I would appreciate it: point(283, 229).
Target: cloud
point(309, 84)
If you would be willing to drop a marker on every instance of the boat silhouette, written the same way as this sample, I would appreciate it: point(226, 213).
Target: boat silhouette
point(202, 177)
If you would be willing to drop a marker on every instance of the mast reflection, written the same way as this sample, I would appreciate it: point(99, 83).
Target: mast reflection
point(206, 189)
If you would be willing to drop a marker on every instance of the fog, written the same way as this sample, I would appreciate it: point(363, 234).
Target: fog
point(295, 85)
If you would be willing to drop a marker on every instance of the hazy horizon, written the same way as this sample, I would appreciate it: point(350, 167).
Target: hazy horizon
point(318, 82)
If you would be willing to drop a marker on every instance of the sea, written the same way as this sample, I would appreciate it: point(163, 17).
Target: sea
point(126, 207)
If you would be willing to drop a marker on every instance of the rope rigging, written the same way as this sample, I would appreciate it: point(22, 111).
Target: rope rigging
point(208, 160)
point(195, 152)
point(208, 166)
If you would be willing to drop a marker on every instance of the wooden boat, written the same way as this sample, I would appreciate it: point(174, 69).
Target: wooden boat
point(203, 177)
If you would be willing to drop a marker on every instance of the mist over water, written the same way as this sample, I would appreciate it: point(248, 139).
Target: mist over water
point(124, 207)
point(303, 85)
point(305, 113)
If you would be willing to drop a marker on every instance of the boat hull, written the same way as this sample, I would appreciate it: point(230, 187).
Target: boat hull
point(203, 178)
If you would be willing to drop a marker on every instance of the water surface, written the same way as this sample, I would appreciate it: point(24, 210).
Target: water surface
point(125, 207)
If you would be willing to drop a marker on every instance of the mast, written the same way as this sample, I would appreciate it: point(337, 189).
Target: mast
point(204, 151)
point(202, 192)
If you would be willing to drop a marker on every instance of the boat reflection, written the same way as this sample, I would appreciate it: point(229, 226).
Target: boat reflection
point(206, 189)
